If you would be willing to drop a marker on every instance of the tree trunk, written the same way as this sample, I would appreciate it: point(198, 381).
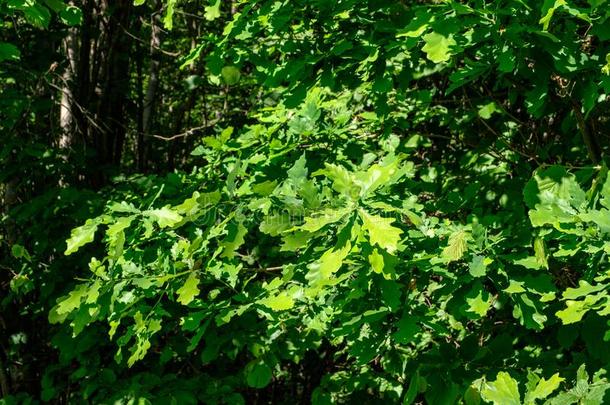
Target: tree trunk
point(99, 86)
point(66, 119)
point(153, 81)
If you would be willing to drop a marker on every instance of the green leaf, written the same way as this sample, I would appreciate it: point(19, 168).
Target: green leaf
point(478, 301)
point(438, 47)
point(36, 14)
point(411, 392)
point(190, 207)
point(295, 241)
point(545, 388)
point(280, 302)
point(71, 15)
point(139, 350)
point(9, 52)
point(378, 175)
point(343, 182)
point(73, 300)
point(503, 391)
point(198, 151)
point(230, 75)
point(168, 18)
point(546, 19)
point(540, 253)
point(259, 376)
point(573, 312)
point(383, 263)
point(528, 312)
point(478, 265)
point(234, 239)
point(554, 197)
point(116, 236)
point(529, 262)
point(275, 224)
point(515, 287)
point(407, 329)
point(376, 261)
point(321, 271)
point(487, 110)
point(298, 172)
point(472, 396)
point(81, 235)
point(212, 11)
point(456, 246)
point(506, 60)
point(189, 290)
point(601, 218)
point(380, 230)
point(19, 252)
point(606, 68)
point(414, 33)
point(323, 218)
point(165, 217)
point(584, 289)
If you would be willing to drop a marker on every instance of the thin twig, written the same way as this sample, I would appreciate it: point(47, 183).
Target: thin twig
point(163, 51)
point(185, 133)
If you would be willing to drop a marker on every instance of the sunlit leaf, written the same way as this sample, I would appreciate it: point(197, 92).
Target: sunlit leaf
point(438, 47)
point(503, 391)
point(380, 231)
point(81, 235)
point(189, 290)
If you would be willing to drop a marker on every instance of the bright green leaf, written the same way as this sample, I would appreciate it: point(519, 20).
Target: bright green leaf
point(380, 230)
point(81, 235)
point(573, 312)
point(456, 246)
point(165, 217)
point(503, 391)
point(438, 47)
point(189, 290)
point(545, 387)
point(212, 11)
point(321, 271)
point(280, 302)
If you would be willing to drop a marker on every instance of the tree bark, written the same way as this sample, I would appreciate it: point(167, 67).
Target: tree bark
point(100, 80)
point(139, 152)
point(66, 119)
point(153, 82)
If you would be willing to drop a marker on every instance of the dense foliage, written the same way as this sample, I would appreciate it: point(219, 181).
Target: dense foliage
point(305, 201)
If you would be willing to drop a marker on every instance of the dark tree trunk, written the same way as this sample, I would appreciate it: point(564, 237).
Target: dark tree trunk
point(102, 78)
point(139, 150)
